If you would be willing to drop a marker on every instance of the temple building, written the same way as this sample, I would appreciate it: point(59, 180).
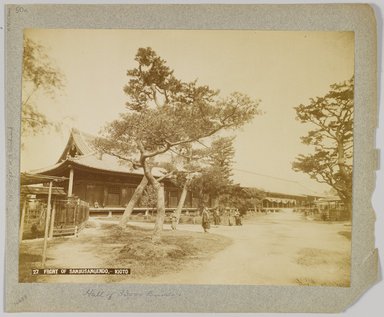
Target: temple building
point(102, 180)
point(107, 184)
point(281, 193)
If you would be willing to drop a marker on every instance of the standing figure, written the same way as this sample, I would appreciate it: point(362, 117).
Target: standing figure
point(231, 214)
point(216, 216)
point(238, 218)
point(205, 220)
point(173, 221)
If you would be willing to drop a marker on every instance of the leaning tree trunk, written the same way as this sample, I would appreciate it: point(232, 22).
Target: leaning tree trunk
point(181, 202)
point(347, 186)
point(156, 236)
point(132, 203)
point(160, 197)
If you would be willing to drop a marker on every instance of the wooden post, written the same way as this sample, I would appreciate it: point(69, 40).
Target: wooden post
point(21, 229)
point(105, 197)
point(70, 184)
point(75, 214)
point(52, 220)
point(47, 224)
point(65, 214)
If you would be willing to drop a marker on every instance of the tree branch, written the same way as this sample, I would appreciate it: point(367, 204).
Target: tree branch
point(135, 164)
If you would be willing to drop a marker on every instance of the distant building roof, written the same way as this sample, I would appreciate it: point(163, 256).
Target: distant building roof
point(277, 185)
point(329, 199)
point(280, 200)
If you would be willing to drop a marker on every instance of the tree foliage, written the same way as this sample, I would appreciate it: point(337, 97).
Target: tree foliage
point(164, 112)
point(332, 138)
point(215, 169)
point(235, 196)
point(148, 199)
point(39, 76)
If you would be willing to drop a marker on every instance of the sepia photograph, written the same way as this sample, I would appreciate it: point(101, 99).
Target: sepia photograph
point(197, 157)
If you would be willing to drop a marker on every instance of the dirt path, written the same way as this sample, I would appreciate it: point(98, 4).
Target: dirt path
point(274, 249)
point(76, 253)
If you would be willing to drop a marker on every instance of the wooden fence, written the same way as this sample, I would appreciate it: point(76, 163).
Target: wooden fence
point(68, 217)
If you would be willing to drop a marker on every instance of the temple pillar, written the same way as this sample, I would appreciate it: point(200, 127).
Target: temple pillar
point(70, 184)
point(105, 197)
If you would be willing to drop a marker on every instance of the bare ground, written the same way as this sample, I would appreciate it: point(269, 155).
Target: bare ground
point(274, 249)
point(105, 245)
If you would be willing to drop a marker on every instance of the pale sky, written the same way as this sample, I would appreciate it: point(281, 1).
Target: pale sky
point(282, 69)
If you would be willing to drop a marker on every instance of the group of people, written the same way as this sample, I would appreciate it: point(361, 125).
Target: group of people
point(206, 217)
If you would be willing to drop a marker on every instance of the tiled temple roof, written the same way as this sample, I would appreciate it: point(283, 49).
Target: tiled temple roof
point(88, 156)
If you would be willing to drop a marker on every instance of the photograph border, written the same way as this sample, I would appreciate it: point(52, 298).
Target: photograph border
point(193, 298)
